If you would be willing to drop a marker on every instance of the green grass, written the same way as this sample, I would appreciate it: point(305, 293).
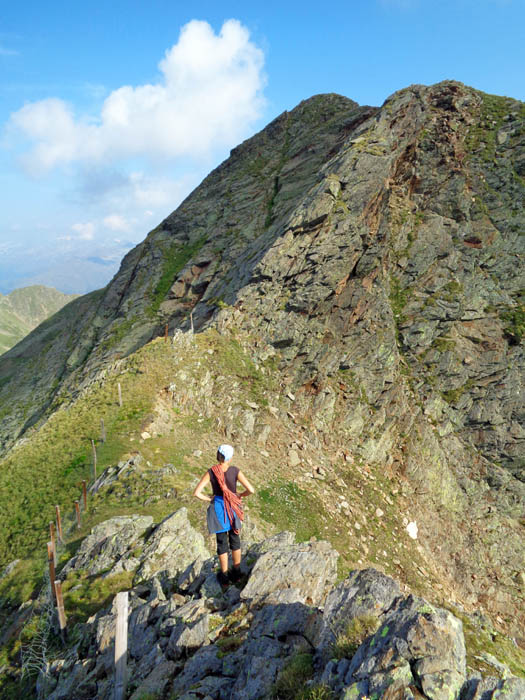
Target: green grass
point(288, 507)
point(354, 634)
point(514, 324)
point(175, 258)
point(84, 595)
point(291, 683)
point(481, 637)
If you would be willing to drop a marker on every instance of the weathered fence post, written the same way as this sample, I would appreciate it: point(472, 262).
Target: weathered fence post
point(61, 611)
point(102, 431)
point(51, 562)
point(53, 541)
point(191, 321)
point(84, 493)
point(119, 395)
point(166, 333)
point(94, 451)
point(77, 511)
point(59, 523)
point(121, 646)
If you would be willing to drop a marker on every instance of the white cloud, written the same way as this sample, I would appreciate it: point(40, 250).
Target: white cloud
point(207, 98)
point(85, 231)
point(116, 222)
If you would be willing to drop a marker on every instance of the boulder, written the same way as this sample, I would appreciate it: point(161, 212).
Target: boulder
point(171, 548)
point(494, 689)
point(416, 646)
point(366, 592)
point(308, 568)
point(190, 630)
point(156, 682)
point(108, 542)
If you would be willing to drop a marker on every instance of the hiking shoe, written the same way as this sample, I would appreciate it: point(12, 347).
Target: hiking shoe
point(235, 574)
point(223, 578)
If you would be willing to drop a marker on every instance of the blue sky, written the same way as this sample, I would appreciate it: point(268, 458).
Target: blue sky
point(111, 113)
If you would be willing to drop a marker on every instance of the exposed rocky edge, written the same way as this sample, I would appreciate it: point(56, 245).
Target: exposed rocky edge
point(380, 252)
point(187, 259)
point(190, 639)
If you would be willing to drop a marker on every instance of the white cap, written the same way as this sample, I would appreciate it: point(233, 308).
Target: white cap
point(226, 451)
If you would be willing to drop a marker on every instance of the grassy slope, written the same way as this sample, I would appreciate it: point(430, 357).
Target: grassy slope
point(23, 309)
point(48, 467)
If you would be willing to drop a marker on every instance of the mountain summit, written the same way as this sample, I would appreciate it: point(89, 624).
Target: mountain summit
point(378, 252)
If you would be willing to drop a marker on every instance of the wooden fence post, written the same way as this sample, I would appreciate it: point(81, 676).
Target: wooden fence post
point(51, 562)
point(59, 523)
point(53, 542)
point(77, 511)
point(191, 321)
point(94, 451)
point(84, 493)
point(102, 431)
point(166, 333)
point(121, 646)
point(119, 395)
point(61, 612)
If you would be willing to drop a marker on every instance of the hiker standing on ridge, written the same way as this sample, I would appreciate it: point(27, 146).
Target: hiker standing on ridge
point(225, 512)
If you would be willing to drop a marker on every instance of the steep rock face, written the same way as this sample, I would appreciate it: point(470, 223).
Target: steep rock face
point(185, 260)
point(380, 252)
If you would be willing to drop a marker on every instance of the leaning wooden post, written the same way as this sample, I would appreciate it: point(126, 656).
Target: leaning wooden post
point(51, 563)
point(59, 523)
point(84, 494)
point(166, 333)
point(53, 542)
point(94, 451)
point(121, 646)
point(119, 395)
point(61, 611)
point(102, 431)
point(77, 510)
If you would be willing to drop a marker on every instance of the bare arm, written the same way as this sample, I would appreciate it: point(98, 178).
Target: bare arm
point(249, 488)
point(200, 487)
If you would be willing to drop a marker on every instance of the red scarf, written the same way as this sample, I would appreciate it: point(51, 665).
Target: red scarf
point(232, 502)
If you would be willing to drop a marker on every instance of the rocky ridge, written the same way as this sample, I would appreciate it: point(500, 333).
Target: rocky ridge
point(288, 632)
point(376, 256)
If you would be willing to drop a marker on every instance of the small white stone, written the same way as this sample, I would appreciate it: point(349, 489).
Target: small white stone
point(379, 513)
point(145, 435)
point(412, 530)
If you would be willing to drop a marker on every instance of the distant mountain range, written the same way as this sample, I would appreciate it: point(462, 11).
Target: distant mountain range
point(24, 309)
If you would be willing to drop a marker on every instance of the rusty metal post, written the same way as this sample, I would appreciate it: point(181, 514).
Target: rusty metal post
point(59, 523)
point(52, 534)
point(61, 611)
point(84, 493)
point(94, 451)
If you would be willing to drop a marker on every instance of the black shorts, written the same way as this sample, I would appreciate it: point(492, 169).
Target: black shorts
point(222, 541)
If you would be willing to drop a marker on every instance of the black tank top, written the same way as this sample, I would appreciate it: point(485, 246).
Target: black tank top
point(230, 477)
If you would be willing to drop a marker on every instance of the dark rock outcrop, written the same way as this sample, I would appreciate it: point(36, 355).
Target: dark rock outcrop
point(197, 646)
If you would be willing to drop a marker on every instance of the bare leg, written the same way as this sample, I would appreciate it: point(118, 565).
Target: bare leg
point(223, 561)
point(236, 557)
